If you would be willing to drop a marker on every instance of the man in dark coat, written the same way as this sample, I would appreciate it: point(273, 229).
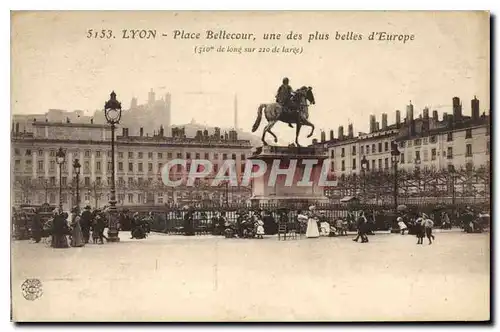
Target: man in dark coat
point(362, 224)
point(86, 223)
point(284, 95)
point(60, 230)
point(467, 219)
point(270, 225)
point(37, 227)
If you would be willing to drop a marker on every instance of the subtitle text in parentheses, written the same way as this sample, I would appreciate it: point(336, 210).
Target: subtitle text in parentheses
point(203, 49)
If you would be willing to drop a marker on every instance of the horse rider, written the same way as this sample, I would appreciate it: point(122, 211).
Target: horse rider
point(284, 96)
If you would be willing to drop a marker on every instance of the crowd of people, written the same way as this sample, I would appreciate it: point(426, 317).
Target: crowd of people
point(78, 229)
point(64, 230)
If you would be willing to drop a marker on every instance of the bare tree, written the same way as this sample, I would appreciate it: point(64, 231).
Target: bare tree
point(96, 190)
point(25, 186)
point(44, 185)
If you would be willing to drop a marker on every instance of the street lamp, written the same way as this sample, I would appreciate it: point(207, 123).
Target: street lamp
point(60, 156)
point(453, 173)
point(77, 167)
point(113, 113)
point(364, 167)
point(395, 159)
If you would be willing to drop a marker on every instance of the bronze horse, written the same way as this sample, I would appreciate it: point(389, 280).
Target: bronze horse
point(274, 113)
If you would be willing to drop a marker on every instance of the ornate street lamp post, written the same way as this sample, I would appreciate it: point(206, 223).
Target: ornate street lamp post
point(364, 166)
point(453, 174)
point(60, 158)
point(77, 167)
point(113, 113)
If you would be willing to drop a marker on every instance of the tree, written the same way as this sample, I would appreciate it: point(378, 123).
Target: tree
point(95, 190)
point(44, 185)
point(25, 186)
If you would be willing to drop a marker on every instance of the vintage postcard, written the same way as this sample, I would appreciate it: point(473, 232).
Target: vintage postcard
point(250, 166)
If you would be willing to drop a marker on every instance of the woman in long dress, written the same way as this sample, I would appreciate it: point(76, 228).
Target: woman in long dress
point(312, 225)
point(60, 231)
point(76, 232)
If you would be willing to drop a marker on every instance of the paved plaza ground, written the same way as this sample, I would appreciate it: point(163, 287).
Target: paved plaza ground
point(203, 278)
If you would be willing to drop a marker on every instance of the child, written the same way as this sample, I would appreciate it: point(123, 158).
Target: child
point(402, 225)
point(260, 228)
point(419, 230)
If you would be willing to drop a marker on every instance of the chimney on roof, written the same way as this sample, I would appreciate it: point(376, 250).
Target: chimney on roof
point(474, 105)
point(445, 116)
point(372, 123)
point(384, 121)
point(315, 141)
point(341, 132)
point(398, 118)
point(457, 109)
point(426, 113)
point(409, 113)
point(350, 130)
point(435, 116)
point(141, 132)
point(17, 127)
point(331, 135)
point(323, 136)
point(161, 133)
point(409, 119)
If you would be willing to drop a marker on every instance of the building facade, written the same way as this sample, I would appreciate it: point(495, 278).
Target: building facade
point(456, 143)
point(138, 163)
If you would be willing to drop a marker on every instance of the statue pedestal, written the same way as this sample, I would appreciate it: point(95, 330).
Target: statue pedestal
point(264, 192)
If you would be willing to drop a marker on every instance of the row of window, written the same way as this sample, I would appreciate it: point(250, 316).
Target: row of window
point(448, 154)
point(131, 198)
point(86, 166)
point(180, 155)
point(373, 164)
point(362, 149)
point(365, 150)
point(140, 155)
point(433, 139)
point(28, 164)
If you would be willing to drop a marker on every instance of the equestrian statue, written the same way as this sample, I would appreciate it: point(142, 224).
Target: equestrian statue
point(290, 107)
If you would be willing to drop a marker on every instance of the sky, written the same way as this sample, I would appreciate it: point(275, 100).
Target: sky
point(55, 65)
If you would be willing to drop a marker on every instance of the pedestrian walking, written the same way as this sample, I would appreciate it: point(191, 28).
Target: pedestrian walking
point(428, 224)
point(86, 223)
point(76, 231)
point(362, 228)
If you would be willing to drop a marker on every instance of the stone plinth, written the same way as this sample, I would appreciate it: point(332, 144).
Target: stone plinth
point(297, 191)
